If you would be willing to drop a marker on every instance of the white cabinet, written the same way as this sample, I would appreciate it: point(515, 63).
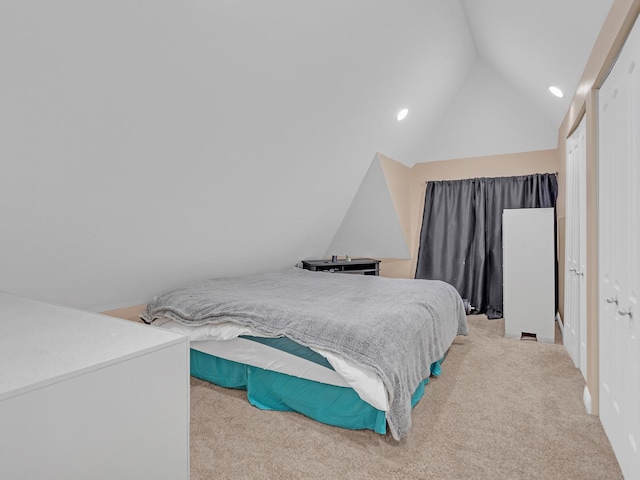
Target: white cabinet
point(528, 243)
point(83, 395)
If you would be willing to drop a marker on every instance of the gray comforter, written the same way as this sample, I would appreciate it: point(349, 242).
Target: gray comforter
point(397, 327)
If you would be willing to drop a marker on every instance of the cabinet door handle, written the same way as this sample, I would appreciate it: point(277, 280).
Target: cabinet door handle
point(572, 269)
point(624, 312)
point(612, 300)
point(580, 274)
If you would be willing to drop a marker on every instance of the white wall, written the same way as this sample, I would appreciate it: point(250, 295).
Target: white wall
point(150, 143)
point(371, 227)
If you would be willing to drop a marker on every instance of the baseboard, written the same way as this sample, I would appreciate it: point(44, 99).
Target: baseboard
point(586, 398)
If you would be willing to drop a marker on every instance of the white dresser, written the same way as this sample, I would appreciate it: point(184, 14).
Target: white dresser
point(83, 395)
point(528, 257)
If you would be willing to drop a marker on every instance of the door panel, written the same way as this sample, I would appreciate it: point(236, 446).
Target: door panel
point(574, 334)
point(618, 177)
point(582, 246)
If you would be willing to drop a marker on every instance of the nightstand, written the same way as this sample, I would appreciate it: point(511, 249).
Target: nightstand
point(362, 266)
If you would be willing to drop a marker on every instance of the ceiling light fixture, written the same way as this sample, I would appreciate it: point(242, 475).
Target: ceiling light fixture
point(556, 91)
point(402, 113)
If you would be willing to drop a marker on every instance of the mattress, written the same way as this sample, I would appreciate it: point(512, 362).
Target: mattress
point(229, 341)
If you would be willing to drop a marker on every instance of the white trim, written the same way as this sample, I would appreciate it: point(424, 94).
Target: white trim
point(586, 399)
point(560, 325)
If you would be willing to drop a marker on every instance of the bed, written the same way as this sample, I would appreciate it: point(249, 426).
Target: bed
point(353, 351)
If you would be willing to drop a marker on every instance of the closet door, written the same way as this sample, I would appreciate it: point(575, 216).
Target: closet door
point(619, 260)
point(575, 315)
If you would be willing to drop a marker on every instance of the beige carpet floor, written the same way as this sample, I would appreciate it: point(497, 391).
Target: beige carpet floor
point(502, 409)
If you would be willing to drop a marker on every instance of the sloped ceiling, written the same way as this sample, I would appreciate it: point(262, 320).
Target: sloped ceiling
point(535, 44)
point(150, 143)
point(504, 105)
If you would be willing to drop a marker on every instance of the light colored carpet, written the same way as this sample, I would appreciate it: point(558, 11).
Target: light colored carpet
point(502, 409)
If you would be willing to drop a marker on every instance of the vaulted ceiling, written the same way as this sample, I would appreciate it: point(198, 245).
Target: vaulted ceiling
point(473, 73)
point(326, 77)
point(502, 104)
point(535, 44)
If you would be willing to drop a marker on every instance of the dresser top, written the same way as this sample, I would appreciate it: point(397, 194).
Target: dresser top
point(42, 344)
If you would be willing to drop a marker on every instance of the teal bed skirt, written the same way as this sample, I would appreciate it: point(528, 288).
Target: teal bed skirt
point(268, 390)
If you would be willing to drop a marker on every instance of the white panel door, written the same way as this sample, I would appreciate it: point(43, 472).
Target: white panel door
point(619, 260)
point(575, 315)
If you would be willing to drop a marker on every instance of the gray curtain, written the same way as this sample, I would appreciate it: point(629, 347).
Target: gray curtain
point(461, 237)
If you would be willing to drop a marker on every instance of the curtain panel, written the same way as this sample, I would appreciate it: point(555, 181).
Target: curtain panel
point(461, 236)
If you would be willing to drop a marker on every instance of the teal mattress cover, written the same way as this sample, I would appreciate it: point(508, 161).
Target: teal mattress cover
point(269, 390)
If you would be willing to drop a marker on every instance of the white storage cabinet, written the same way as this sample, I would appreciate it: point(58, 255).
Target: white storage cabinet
point(528, 242)
point(84, 396)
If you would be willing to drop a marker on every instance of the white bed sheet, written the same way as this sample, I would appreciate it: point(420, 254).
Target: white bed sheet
point(259, 355)
point(222, 341)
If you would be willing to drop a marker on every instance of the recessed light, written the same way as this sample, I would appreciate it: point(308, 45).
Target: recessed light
point(556, 91)
point(402, 113)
